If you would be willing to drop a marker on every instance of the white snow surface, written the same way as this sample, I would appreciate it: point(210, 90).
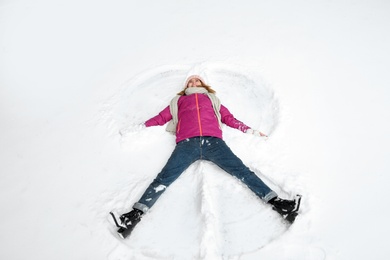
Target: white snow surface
point(313, 75)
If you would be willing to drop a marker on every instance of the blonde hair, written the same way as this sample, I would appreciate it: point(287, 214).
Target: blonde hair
point(207, 87)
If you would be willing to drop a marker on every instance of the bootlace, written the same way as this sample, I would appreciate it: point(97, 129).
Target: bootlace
point(132, 216)
point(282, 205)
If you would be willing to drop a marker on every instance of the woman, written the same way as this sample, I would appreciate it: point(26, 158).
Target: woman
point(195, 115)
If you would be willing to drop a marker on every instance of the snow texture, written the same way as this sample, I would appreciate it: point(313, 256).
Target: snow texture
point(78, 79)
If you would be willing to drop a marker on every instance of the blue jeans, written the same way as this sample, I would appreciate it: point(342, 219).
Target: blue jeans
point(202, 148)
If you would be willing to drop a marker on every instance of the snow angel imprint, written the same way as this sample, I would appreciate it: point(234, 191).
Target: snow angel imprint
point(195, 115)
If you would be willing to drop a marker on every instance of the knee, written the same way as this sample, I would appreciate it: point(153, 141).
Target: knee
point(163, 181)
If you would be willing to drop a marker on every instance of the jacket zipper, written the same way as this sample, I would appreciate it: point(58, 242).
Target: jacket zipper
point(197, 109)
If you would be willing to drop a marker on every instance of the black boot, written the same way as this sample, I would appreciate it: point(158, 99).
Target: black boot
point(288, 209)
point(129, 221)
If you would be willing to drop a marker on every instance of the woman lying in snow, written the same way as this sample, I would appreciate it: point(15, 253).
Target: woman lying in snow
point(195, 115)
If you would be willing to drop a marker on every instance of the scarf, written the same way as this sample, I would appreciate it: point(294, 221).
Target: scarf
point(171, 127)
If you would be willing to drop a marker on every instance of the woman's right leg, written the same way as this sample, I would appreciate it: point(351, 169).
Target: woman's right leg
point(186, 152)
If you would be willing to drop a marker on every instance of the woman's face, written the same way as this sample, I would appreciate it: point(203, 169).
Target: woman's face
point(194, 83)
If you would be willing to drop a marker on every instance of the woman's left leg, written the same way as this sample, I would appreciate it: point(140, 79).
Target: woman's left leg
point(216, 151)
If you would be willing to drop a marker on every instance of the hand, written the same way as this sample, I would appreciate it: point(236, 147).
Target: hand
point(255, 132)
point(132, 129)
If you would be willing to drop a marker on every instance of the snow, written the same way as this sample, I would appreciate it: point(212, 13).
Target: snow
point(310, 74)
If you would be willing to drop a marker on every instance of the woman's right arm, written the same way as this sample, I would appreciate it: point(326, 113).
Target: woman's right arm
point(161, 119)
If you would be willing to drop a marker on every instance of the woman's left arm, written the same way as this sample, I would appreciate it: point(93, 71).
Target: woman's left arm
point(228, 119)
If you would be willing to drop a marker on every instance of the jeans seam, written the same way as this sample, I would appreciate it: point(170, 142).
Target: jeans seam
point(200, 148)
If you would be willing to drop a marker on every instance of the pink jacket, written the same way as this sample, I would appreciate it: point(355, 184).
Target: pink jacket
point(197, 118)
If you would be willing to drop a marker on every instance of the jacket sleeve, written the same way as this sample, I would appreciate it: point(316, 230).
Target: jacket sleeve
point(228, 119)
point(161, 119)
